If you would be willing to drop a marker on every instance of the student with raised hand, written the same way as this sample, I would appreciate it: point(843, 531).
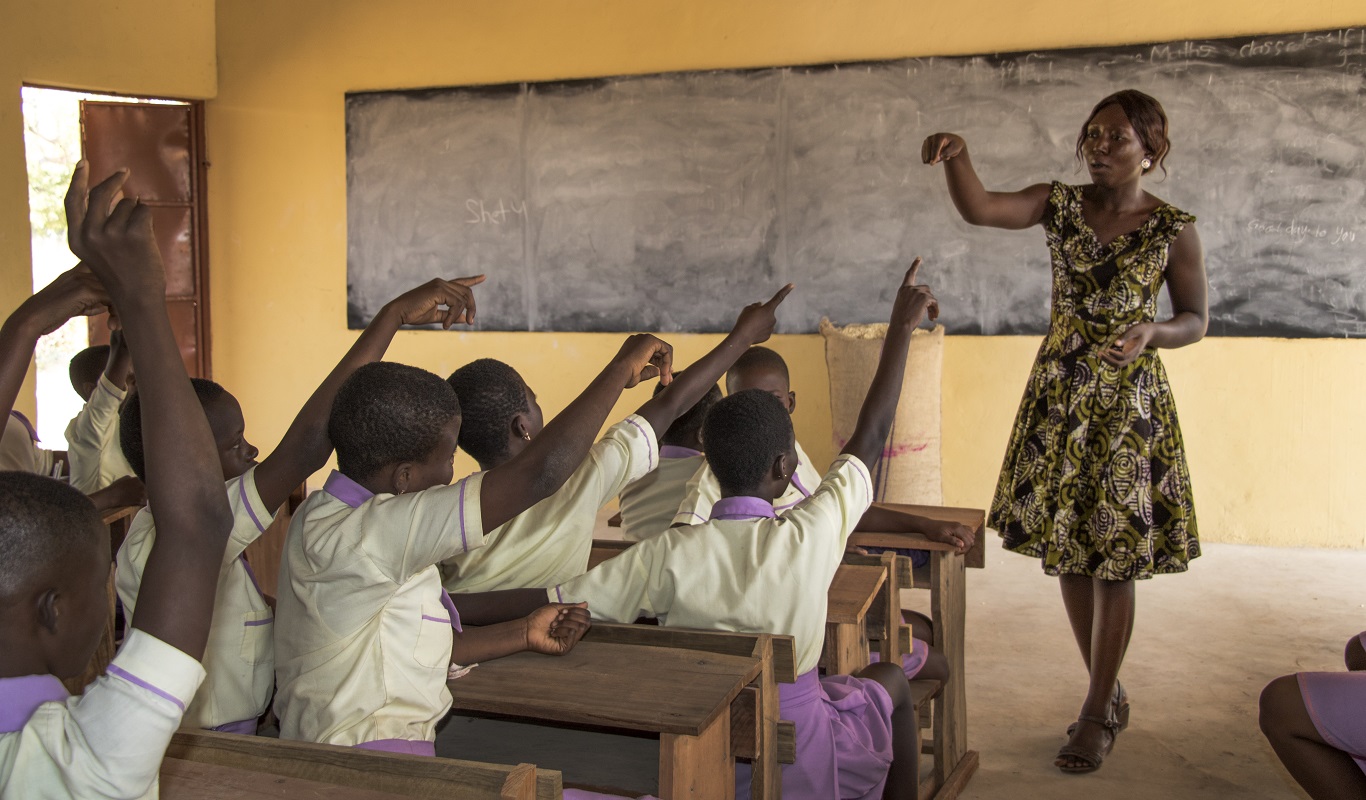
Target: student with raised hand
point(54, 552)
point(750, 571)
point(550, 542)
point(101, 375)
point(240, 658)
point(648, 504)
point(1099, 524)
point(365, 634)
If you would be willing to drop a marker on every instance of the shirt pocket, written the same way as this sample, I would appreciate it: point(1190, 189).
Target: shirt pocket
point(434, 637)
point(258, 644)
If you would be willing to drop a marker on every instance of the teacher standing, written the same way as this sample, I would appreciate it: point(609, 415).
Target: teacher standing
point(1095, 481)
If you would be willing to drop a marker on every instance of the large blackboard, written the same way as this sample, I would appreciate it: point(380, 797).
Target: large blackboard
point(665, 202)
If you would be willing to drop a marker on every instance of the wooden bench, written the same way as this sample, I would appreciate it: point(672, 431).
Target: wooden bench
point(954, 764)
point(196, 759)
point(684, 696)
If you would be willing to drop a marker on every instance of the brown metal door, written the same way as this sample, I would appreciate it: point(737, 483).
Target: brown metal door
point(162, 145)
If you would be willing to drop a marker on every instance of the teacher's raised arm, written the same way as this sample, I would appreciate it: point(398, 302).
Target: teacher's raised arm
point(1010, 210)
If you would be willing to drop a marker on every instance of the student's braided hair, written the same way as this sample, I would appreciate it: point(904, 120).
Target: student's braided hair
point(386, 413)
point(742, 436)
point(491, 393)
point(42, 522)
point(130, 423)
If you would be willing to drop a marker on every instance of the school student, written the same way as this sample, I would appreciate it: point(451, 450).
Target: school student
point(764, 369)
point(365, 634)
point(550, 542)
point(1316, 723)
point(54, 552)
point(240, 657)
point(751, 570)
point(101, 376)
point(648, 503)
point(20, 449)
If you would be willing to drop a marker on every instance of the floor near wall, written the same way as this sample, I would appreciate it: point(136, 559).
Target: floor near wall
point(1204, 645)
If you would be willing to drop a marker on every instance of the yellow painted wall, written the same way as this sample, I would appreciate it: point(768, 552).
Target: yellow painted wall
point(140, 47)
point(1271, 425)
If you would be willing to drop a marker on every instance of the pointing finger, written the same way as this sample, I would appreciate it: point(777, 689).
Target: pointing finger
point(912, 273)
point(473, 280)
point(780, 296)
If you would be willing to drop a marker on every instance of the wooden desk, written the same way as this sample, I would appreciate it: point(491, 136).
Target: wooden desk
point(953, 762)
point(848, 602)
point(683, 695)
point(345, 772)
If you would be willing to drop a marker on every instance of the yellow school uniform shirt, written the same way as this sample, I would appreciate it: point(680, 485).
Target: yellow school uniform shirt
point(363, 628)
point(19, 450)
point(239, 657)
point(744, 570)
point(703, 491)
point(648, 505)
point(92, 440)
point(550, 542)
point(108, 742)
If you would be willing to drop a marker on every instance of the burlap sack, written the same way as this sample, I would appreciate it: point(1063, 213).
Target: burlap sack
point(909, 471)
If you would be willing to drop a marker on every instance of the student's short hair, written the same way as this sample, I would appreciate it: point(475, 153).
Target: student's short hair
point(386, 413)
point(491, 393)
point(42, 521)
point(758, 357)
point(742, 436)
point(687, 427)
point(1148, 119)
point(87, 365)
point(130, 423)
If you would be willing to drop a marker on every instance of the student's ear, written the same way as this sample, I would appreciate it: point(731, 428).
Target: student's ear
point(521, 427)
point(402, 477)
point(48, 610)
point(791, 402)
point(781, 470)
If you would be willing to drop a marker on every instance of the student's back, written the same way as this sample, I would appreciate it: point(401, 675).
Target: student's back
point(649, 504)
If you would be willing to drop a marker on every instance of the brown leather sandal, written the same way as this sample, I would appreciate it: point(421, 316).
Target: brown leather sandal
point(1091, 759)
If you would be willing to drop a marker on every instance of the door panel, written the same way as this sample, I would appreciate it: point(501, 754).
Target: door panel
point(161, 145)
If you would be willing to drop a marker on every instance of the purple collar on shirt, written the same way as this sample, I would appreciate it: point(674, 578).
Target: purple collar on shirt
point(742, 508)
point(797, 482)
point(28, 426)
point(355, 495)
point(675, 451)
point(346, 490)
point(20, 697)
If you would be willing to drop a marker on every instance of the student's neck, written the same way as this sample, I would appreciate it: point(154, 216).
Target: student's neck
point(19, 658)
point(755, 492)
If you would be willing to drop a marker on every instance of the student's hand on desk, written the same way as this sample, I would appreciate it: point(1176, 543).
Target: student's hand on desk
point(647, 357)
point(954, 533)
point(449, 302)
point(914, 301)
point(757, 320)
point(554, 629)
point(114, 240)
point(75, 293)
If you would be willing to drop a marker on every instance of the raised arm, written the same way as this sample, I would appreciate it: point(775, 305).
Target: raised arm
point(879, 406)
point(120, 363)
point(306, 446)
point(1189, 291)
point(1012, 210)
point(184, 479)
point(75, 293)
point(754, 326)
point(552, 456)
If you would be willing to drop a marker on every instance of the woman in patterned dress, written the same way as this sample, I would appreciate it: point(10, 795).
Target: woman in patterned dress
point(1095, 481)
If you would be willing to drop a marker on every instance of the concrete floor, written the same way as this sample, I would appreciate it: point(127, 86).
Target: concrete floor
point(1204, 645)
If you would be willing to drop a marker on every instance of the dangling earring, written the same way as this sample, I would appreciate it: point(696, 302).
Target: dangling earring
point(526, 436)
point(1147, 164)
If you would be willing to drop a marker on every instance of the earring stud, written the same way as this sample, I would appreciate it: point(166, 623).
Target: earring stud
point(1147, 163)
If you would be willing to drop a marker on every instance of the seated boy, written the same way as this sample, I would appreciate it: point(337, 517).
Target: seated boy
point(54, 552)
point(552, 540)
point(365, 634)
point(101, 376)
point(648, 504)
point(240, 657)
point(750, 570)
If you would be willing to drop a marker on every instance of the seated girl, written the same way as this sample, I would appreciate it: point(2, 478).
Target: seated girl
point(748, 570)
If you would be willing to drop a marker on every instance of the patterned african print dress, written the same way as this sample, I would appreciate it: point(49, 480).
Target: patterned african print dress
point(1095, 479)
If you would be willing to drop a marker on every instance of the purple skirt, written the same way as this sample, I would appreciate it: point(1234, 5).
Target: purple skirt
point(1336, 702)
point(844, 739)
point(912, 662)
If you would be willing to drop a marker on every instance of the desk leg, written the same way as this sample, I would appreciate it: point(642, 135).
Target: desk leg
point(699, 767)
point(846, 648)
point(948, 605)
point(766, 782)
